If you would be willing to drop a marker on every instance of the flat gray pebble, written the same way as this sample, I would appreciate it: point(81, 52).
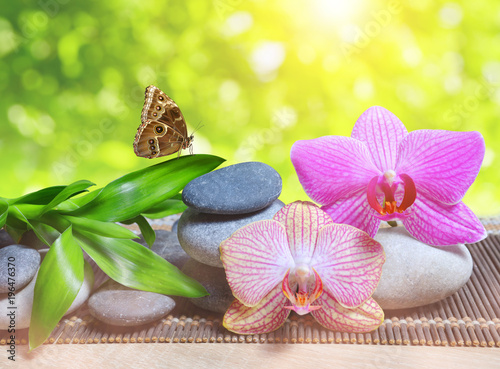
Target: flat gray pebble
point(200, 234)
point(236, 189)
point(416, 274)
point(18, 262)
point(24, 300)
point(115, 304)
point(168, 247)
point(214, 280)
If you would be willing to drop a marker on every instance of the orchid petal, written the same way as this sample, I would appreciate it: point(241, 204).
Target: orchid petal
point(332, 315)
point(302, 221)
point(256, 257)
point(332, 167)
point(443, 164)
point(349, 262)
point(442, 225)
point(382, 132)
point(265, 317)
point(354, 211)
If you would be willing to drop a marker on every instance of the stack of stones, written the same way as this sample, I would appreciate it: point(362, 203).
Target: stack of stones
point(219, 203)
point(19, 265)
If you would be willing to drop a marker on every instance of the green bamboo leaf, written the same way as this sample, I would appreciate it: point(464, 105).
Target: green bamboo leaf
point(41, 197)
point(78, 202)
point(147, 232)
point(4, 212)
point(47, 232)
point(19, 216)
point(136, 266)
point(59, 279)
point(165, 208)
point(128, 196)
point(69, 191)
point(105, 229)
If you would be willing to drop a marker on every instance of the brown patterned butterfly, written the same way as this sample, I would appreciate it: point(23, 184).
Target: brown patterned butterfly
point(163, 130)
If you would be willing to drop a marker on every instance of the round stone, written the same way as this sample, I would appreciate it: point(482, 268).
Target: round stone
point(115, 304)
point(174, 226)
point(24, 300)
point(18, 266)
point(237, 189)
point(214, 280)
point(5, 238)
point(200, 234)
point(168, 247)
point(417, 274)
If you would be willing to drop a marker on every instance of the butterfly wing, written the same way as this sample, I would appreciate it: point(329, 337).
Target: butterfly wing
point(155, 139)
point(163, 130)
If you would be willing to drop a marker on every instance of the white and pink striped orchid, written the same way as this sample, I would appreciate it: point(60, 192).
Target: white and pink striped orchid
point(300, 257)
point(382, 172)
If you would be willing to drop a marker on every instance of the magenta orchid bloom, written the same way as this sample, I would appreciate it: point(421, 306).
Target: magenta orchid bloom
point(301, 257)
point(382, 172)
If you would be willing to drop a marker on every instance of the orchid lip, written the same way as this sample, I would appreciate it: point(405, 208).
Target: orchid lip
point(388, 183)
point(302, 299)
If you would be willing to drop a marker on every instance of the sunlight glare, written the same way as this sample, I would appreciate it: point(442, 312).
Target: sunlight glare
point(336, 10)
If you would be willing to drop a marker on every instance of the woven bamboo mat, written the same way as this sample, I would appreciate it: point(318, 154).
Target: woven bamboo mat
point(470, 317)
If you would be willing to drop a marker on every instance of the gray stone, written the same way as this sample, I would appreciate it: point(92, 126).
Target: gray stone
point(19, 263)
point(115, 304)
point(5, 238)
point(200, 234)
point(237, 189)
point(168, 247)
point(24, 300)
point(174, 226)
point(214, 280)
point(416, 274)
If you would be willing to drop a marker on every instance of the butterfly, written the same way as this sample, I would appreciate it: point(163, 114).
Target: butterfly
point(163, 130)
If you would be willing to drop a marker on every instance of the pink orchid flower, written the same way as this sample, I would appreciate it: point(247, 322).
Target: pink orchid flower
point(301, 257)
point(382, 172)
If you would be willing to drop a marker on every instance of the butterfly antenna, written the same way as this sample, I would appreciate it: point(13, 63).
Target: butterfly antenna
point(198, 127)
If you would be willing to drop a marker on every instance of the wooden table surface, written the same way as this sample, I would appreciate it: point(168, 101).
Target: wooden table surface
point(220, 355)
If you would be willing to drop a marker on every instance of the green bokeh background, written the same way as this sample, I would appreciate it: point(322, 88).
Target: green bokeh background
point(257, 75)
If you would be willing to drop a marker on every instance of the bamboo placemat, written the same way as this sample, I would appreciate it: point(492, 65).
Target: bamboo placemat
point(470, 317)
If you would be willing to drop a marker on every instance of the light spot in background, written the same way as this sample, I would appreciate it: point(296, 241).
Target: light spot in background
point(46, 124)
point(237, 23)
point(453, 62)
point(306, 54)
point(411, 94)
point(284, 117)
point(40, 49)
point(363, 88)
point(267, 57)
point(337, 11)
point(412, 56)
point(349, 33)
point(489, 157)
point(491, 72)
point(39, 126)
point(9, 39)
point(31, 79)
point(146, 75)
point(450, 15)
point(229, 91)
point(453, 84)
point(109, 102)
